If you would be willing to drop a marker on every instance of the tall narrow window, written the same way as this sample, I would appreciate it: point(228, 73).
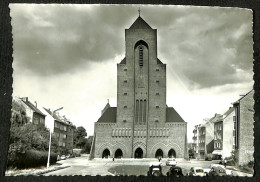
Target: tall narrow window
point(141, 112)
point(136, 111)
point(144, 112)
point(141, 62)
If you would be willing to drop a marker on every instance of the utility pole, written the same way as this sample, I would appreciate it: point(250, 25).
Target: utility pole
point(49, 153)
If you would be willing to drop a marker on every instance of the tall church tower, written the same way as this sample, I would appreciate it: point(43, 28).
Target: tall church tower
point(141, 92)
point(141, 125)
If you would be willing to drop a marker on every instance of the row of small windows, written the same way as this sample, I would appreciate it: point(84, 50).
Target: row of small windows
point(157, 93)
point(141, 62)
point(157, 121)
point(157, 69)
point(145, 102)
point(157, 81)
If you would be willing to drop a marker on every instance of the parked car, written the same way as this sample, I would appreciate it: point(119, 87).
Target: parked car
point(175, 171)
point(155, 169)
point(68, 156)
point(207, 170)
point(72, 156)
point(196, 171)
point(171, 162)
point(217, 171)
point(63, 157)
point(208, 158)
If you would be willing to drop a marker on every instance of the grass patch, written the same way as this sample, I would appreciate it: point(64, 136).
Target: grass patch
point(135, 170)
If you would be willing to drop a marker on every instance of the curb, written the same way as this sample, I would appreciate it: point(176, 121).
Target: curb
point(40, 172)
point(51, 170)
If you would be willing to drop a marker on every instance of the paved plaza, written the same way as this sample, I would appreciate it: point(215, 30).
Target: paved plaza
point(83, 166)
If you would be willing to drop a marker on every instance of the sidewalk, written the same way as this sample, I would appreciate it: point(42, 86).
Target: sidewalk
point(236, 169)
point(35, 171)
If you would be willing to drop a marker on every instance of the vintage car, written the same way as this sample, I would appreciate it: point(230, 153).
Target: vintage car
point(175, 171)
point(196, 171)
point(63, 157)
point(207, 170)
point(155, 169)
point(171, 162)
point(217, 171)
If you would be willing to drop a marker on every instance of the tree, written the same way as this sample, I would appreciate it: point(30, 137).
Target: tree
point(79, 138)
point(89, 143)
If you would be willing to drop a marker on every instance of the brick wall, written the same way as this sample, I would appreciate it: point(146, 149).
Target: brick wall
point(246, 132)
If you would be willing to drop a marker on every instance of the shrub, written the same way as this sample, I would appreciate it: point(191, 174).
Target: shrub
point(34, 158)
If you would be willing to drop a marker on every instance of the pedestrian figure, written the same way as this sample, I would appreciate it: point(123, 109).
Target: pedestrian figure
point(113, 159)
point(225, 163)
point(159, 159)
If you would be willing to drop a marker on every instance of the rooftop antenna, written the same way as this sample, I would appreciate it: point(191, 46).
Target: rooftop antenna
point(108, 101)
point(139, 10)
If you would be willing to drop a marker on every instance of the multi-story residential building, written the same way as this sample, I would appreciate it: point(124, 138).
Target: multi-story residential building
point(218, 138)
point(63, 130)
point(244, 128)
point(206, 137)
point(228, 140)
point(201, 142)
point(33, 113)
point(195, 140)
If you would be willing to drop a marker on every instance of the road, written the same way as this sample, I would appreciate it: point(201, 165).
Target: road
point(82, 166)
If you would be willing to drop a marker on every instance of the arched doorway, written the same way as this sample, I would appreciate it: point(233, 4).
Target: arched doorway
point(159, 153)
point(138, 153)
point(172, 153)
point(118, 154)
point(106, 154)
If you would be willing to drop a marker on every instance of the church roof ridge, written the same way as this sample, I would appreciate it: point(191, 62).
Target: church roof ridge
point(140, 23)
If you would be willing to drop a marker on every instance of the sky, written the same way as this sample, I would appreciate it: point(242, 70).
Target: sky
point(66, 56)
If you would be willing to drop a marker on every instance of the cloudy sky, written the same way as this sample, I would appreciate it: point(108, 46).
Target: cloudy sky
point(66, 56)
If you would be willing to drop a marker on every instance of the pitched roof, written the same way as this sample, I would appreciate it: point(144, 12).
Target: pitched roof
point(33, 107)
point(55, 116)
point(159, 61)
point(105, 108)
point(243, 96)
point(109, 116)
point(172, 115)
point(123, 61)
point(229, 111)
point(140, 24)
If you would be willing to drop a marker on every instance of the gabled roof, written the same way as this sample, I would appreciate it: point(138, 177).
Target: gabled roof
point(55, 116)
point(216, 118)
point(159, 61)
point(140, 24)
point(61, 119)
point(105, 108)
point(109, 116)
point(172, 115)
point(228, 112)
point(32, 107)
point(123, 61)
point(243, 97)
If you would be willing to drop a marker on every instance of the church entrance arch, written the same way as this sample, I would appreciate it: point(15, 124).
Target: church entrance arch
point(106, 154)
point(172, 153)
point(159, 153)
point(138, 153)
point(118, 154)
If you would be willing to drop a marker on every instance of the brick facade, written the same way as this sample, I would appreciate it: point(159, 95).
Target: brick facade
point(141, 125)
point(244, 128)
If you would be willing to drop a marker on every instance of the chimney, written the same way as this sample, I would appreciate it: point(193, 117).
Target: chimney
point(35, 103)
point(26, 99)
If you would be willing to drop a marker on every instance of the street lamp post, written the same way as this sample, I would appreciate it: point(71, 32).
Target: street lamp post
point(49, 153)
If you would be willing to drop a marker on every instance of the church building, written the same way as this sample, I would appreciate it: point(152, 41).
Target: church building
point(142, 125)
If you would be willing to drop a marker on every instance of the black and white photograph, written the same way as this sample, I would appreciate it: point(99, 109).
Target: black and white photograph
point(151, 90)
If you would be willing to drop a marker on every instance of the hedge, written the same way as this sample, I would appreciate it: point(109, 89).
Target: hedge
point(34, 158)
